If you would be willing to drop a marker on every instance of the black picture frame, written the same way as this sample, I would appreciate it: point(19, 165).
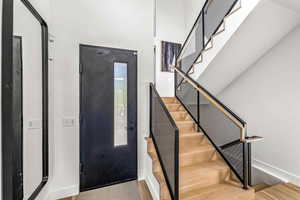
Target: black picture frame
point(169, 52)
point(9, 145)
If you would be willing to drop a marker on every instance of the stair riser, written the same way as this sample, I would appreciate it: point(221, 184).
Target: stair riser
point(180, 116)
point(175, 107)
point(194, 141)
point(186, 128)
point(167, 100)
point(196, 157)
point(203, 180)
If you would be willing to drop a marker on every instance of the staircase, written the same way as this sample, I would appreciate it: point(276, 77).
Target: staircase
point(203, 173)
point(187, 162)
point(200, 148)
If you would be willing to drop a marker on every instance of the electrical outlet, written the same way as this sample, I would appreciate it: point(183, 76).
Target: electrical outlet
point(68, 122)
point(35, 124)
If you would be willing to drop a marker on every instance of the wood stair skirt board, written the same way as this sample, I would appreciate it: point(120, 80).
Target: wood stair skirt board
point(157, 171)
point(203, 173)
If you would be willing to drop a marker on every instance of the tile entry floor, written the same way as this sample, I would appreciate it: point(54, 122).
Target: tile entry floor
point(124, 191)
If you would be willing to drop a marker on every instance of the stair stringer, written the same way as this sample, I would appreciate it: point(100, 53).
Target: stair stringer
point(231, 24)
point(263, 28)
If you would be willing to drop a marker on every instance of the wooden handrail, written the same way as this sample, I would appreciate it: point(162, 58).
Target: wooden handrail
point(215, 103)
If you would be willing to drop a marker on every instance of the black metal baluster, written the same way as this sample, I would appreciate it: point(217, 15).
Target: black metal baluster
point(176, 165)
point(151, 102)
point(203, 28)
point(249, 164)
point(245, 165)
point(198, 110)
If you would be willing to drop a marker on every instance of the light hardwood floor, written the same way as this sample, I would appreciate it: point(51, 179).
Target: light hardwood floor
point(126, 191)
point(284, 191)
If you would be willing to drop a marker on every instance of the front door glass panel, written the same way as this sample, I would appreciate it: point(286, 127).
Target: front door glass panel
point(120, 101)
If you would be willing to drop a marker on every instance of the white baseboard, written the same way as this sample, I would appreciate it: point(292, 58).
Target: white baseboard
point(153, 191)
point(64, 192)
point(281, 174)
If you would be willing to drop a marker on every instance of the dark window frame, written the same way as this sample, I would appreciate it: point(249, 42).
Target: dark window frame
point(9, 186)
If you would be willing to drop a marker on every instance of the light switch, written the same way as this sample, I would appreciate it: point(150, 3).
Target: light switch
point(68, 122)
point(35, 124)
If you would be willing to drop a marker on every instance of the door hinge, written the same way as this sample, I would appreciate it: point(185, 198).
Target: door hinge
point(22, 121)
point(81, 120)
point(81, 168)
point(20, 177)
point(81, 68)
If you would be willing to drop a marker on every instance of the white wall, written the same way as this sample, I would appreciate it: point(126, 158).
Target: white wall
point(116, 23)
point(267, 97)
point(170, 26)
point(291, 4)
point(192, 9)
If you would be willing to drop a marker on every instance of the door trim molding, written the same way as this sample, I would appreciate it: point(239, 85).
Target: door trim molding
point(8, 146)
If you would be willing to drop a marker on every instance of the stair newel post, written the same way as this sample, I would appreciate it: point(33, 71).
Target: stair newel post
point(250, 164)
point(176, 164)
point(245, 165)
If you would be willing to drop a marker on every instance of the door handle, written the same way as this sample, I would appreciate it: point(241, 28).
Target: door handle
point(130, 128)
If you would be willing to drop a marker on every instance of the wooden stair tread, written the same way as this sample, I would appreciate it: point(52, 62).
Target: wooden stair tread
point(202, 175)
point(223, 191)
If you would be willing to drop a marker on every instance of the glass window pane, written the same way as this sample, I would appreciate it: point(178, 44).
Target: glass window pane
point(120, 104)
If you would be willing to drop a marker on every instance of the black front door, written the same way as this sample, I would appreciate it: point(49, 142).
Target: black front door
point(108, 116)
